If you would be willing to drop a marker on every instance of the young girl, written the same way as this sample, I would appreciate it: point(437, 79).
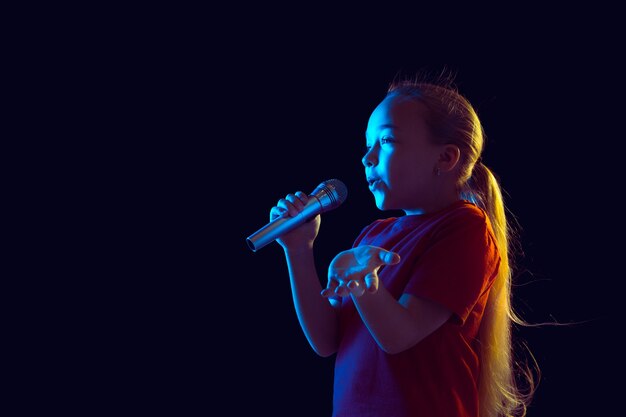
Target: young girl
point(419, 310)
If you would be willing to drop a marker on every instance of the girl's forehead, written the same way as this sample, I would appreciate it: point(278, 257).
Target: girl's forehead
point(395, 110)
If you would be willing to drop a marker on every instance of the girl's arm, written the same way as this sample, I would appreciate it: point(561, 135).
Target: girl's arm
point(396, 325)
point(316, 315)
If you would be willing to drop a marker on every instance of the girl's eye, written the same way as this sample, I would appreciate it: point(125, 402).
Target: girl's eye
point(384, 140)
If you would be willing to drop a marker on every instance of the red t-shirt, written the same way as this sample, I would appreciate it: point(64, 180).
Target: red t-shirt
point(449, 257)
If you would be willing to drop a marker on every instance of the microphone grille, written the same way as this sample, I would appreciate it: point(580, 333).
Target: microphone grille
point(331, 194)
point(339, 190)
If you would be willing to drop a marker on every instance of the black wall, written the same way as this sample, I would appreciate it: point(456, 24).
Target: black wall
point(195, 146)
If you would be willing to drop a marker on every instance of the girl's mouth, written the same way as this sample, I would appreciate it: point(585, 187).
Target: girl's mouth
point(373, 182)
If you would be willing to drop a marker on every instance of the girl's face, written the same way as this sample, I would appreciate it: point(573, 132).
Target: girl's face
point(400, 162)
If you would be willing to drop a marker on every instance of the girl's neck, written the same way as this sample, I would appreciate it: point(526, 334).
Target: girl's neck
point(433, 206)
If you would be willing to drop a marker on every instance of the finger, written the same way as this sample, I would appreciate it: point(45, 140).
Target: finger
point(298, 204)
point(277, 212)
point(388, 258)
point(342, 290)
point(302, 196)
point(371, 282)
point(288, 206)
point(329, 291)
point(356, 288)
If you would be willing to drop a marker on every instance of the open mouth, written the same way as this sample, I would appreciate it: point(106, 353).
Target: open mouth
point(373, 181)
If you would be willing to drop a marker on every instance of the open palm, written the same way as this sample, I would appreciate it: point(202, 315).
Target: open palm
point(356, 270)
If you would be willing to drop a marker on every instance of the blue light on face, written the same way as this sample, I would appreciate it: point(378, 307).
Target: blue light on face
point(380, 146)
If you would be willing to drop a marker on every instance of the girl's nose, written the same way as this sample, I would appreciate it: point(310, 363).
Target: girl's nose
point(368, 158)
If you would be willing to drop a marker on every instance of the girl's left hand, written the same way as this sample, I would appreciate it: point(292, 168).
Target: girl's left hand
point(356, 270)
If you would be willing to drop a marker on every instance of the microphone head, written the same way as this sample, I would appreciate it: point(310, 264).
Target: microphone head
point(331, 194)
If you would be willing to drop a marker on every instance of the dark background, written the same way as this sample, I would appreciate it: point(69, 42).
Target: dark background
point(212, 324)
point(184, 144)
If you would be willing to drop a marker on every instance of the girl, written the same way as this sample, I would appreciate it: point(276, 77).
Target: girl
point(419, 310)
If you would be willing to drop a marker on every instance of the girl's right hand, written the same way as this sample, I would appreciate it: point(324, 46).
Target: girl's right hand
point(302, 236)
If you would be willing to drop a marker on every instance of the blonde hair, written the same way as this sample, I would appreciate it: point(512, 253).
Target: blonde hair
point(452, 120)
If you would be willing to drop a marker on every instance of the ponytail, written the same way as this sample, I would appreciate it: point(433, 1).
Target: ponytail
point(499, 394)
point(452, 120)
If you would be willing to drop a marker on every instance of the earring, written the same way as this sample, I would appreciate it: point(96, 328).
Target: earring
point(438, 171)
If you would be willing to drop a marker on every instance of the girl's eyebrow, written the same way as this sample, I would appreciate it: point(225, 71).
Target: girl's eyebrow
point(385, 126)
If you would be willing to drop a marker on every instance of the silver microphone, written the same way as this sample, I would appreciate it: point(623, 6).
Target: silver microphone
point(327, 196)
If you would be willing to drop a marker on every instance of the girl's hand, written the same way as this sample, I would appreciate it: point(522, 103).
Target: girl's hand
point(304, 235)
point(356, 270)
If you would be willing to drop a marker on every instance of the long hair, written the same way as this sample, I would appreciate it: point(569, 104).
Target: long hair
point(452, 120)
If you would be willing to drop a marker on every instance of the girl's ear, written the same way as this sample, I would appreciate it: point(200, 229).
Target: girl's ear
point(449, 157)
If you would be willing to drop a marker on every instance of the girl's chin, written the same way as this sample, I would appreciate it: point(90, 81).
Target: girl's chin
point(383, 205)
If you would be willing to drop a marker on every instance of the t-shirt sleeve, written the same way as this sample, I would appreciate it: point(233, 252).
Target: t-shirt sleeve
point(457, 267)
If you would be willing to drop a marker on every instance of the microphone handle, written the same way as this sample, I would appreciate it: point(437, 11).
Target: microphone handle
point(281, 225)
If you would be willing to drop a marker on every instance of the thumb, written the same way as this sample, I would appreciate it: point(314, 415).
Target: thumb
point(389, 258)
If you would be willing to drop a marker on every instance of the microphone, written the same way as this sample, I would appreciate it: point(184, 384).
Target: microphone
point(327, 196)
